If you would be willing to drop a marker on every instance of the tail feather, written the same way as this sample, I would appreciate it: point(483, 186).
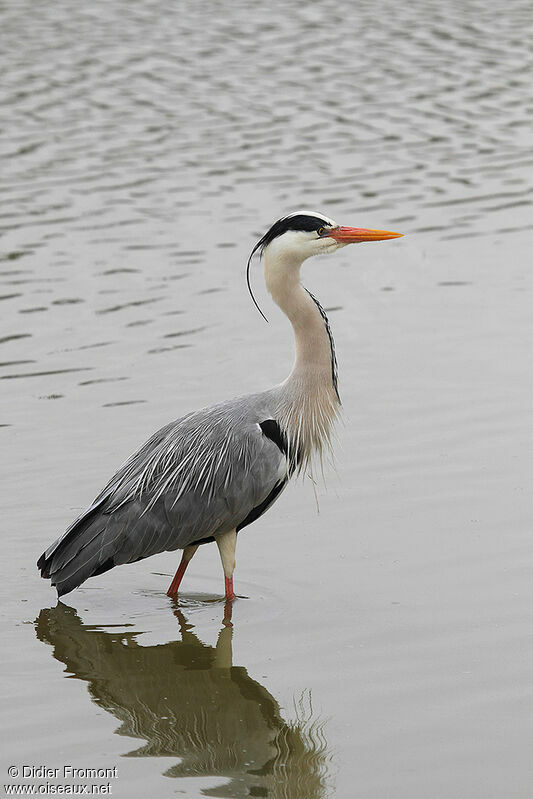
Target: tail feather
point(71, 549)
point(70, 534)
point(79, 553)
point(106, 536)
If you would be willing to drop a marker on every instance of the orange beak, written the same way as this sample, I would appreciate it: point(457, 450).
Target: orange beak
point(352, 235)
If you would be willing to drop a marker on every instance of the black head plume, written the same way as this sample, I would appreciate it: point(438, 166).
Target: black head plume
point(298, 221)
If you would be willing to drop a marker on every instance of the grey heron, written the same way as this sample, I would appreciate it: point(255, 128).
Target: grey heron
point(206, 476)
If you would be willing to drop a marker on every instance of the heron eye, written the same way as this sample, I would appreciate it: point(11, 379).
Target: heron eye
point(320, 231)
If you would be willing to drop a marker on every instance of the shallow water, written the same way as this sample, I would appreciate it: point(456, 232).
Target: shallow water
point(384, 646)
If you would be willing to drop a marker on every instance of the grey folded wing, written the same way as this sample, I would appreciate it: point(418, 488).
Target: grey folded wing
point(209, 472)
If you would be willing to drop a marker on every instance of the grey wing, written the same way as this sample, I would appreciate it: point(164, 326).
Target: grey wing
point(205, 474)
point(181, 499)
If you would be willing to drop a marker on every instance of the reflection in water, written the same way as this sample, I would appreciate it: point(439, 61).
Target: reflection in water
point(186, 699)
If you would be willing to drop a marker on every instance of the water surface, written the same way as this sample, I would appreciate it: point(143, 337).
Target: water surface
point(384, 647)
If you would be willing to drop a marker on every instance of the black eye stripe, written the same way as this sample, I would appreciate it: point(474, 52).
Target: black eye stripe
point(302, 222)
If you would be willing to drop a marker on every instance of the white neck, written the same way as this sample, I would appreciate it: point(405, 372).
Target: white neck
point(310, 400)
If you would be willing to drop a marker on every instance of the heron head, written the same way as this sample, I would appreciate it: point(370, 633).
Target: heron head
point(305, 233)
point(300, 235)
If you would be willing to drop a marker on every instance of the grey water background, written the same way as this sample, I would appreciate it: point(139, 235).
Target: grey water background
point(385, 647)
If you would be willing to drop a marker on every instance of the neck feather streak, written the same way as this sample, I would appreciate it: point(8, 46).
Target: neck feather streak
point(309, 402)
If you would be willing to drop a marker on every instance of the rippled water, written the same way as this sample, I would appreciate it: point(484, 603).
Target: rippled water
point(385, 647)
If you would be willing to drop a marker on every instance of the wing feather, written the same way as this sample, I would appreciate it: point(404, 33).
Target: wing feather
point(195, 478)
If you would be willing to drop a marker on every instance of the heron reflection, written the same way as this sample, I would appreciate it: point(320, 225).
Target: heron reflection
point(187, 700)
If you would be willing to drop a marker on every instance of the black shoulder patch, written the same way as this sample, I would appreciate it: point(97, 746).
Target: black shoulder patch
point(273, 431)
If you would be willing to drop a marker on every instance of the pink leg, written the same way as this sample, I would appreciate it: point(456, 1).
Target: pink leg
point(188, 552)
point(230, 594)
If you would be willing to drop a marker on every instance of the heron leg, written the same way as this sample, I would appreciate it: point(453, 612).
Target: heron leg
point(188, 552)
point(226, 546)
